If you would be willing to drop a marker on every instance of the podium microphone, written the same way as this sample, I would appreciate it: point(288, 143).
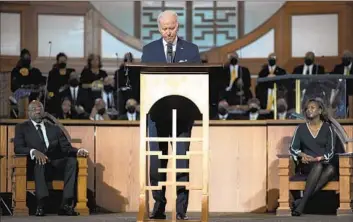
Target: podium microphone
point(46, 82)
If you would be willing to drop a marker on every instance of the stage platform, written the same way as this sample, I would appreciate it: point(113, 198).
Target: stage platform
point(131, 217)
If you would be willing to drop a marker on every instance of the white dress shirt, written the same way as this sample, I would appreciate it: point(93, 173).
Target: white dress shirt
point(282, 116)
point(42, 127)
point(223, 117)
point(310, 68)
point(105, 97)
point(253, 116)
point(347, 69)
point(272, 68)
point(131, 116)
point(231, 68)
point(74, 92)
point(174, 46)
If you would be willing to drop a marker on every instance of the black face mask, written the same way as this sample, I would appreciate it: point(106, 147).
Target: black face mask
point(308, 61)
point(74, 82)
point(346, 61)
point(233, 61)
point(62, 65)
point(101, 111)
point(272, 62)
point(281, 108)
point(131, 109)
point(223, 111)
point(253, 110)
point(26, 63)
point(108, 88)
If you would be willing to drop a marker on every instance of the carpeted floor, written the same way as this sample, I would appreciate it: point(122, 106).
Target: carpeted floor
point(129, 217)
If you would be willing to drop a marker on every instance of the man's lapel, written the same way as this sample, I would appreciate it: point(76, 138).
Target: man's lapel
point(34, 134)
point(179, 51)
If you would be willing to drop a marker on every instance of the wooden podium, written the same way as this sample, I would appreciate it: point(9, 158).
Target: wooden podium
point(156, 82)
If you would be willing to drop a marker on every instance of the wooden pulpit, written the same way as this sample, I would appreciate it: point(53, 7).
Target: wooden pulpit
point(156, 82)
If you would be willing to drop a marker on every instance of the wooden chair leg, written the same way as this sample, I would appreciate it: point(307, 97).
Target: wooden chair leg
point(81, 206)
point(20, 189)
point(284, 208)
point(345, 171)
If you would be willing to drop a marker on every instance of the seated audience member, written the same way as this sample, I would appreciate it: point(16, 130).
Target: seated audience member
point(223, 113)
point(264, 91)
point(110, 97)
point(67, 111)
point(313, 147)
point(25, 76)
point(131, 114)
point(204, 59)
point(309, 67)
point(48, 149)
point(57, 82)
point(128, 82)
point(254, 111)
point(98, 111)
point(79, 97)
point(92, 76)
point(282, 109)
point(236, 82)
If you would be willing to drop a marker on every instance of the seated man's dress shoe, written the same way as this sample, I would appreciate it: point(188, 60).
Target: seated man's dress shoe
point(67, 210)
point(182, 217)
point(158, 216)
point(40, 212)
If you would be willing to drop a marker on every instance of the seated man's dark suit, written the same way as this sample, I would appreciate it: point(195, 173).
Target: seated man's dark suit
point(61, 155)
point(160, 123)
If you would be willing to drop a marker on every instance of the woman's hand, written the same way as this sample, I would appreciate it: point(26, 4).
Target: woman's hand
point(307, 158)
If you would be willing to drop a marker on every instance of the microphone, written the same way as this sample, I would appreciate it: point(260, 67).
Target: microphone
point(46, 82)
point(170, 53)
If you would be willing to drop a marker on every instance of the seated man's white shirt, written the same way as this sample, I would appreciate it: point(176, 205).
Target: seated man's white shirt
point(253, 116)
point(131, 116)
point(308, 68)
point(97, 117)
point(224, 117)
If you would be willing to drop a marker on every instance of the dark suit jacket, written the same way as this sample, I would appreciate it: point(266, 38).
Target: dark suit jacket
point(229, 117)
point(82, 99)
point(27, 138)
point(339, 69)
point(231, 96)
point(261, 89)
point(316, 69)
point(154, 53)
point(124, 116)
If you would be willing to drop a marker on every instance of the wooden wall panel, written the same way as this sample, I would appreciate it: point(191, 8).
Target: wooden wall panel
point(10, 154)
point(3, 160)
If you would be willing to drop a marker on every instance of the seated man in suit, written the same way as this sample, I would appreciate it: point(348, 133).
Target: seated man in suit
point(169, 49)
point(48, 149)
point(131, 114)
point(236, 82)
point(79, 97)
point(110, 97)
point(264, 91)
point(223, 113)
point(254, 111)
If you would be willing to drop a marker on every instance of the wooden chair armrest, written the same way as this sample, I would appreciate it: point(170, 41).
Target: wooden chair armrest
point(283, 156)
point(76, 140)
point(344, 154)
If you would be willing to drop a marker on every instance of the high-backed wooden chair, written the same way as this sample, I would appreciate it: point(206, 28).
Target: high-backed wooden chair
point(21, 185)
point(289, 181)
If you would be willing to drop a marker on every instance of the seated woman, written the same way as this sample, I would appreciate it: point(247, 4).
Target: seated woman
point(313, 145)
point(67, 111)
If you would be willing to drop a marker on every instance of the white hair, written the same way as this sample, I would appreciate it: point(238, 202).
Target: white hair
point(166, 12)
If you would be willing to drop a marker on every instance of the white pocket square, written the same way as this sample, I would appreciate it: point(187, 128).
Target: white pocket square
point(180, 61)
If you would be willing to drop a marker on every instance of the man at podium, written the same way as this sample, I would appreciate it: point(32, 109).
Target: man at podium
point(169, 49)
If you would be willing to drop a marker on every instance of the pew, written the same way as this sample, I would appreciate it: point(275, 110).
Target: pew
point(21, 185)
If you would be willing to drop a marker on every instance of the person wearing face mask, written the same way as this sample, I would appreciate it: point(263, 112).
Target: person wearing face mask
point(128, 82)
point(79, 97)
point(25, 76)
point(109, 96)
point(264, 91)
point(236, 82)
point(131, 113)
point(345, 68)
point(99, 112)
point(254, 111)
point(282, 109)
point(222, 113)
point(57, 82)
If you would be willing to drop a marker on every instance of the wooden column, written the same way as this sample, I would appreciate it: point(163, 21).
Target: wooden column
point(241, 16)
point(283, 208)
point(137, 19)
point(81, 206)
point(345, 183)
point(20, 189)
